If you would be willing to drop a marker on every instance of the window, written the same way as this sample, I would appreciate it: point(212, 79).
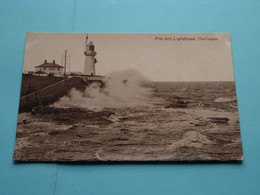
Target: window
point(91, 48)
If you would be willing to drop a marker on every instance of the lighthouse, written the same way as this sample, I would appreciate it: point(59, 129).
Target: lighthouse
point(90, 59)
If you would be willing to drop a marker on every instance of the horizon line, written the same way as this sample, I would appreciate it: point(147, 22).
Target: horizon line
point(195, 81)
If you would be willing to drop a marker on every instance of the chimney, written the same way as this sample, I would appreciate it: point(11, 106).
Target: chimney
point(53, 62)
point(45, 61)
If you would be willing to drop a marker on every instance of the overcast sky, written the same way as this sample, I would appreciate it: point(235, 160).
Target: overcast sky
point(157, 59)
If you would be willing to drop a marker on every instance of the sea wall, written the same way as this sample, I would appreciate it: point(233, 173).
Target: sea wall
point(31, 83)
point(50, 93)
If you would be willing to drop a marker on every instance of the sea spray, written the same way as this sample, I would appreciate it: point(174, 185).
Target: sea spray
point(122, 89)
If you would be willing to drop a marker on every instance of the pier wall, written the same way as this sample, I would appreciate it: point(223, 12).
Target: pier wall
point(50, 93)
point(31, 83)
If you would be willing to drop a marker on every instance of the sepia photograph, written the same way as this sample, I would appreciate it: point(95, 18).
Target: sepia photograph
point(128, 97)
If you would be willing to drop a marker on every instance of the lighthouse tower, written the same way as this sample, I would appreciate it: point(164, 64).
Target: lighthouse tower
point(90, 59)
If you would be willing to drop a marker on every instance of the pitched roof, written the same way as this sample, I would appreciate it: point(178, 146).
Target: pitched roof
point(46, 64)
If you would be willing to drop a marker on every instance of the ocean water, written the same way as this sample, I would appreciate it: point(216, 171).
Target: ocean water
point(135, 121)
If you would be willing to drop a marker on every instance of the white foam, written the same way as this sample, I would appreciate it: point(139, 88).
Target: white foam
point(122, 89)
point(225, 99)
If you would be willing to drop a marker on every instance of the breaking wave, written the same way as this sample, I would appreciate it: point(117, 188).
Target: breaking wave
point(122, 89)
point(225, 99)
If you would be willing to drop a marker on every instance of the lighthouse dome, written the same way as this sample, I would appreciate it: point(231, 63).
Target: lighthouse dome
point(90, 43)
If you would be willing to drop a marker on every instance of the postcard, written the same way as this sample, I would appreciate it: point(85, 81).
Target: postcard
point(128, 97)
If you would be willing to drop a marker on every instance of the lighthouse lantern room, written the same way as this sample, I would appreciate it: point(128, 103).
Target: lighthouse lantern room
point(90, 59)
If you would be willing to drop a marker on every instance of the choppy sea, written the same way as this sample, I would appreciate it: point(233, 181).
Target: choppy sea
point(157, 121)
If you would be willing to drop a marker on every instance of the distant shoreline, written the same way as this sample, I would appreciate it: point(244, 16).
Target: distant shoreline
point(193, 81)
